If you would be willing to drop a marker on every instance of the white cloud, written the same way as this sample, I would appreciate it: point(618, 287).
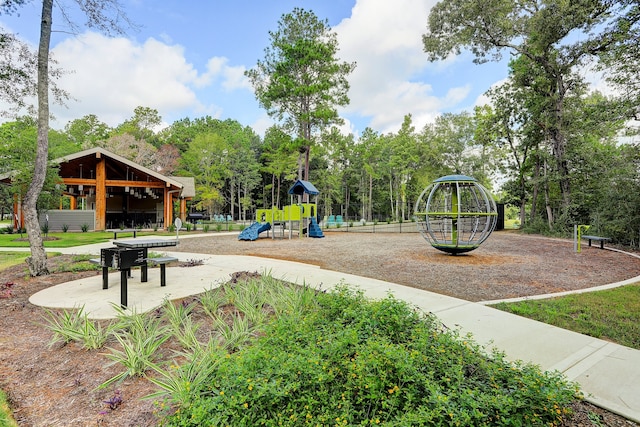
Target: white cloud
point(235, 79)
point(385, 40)
point(112, 76)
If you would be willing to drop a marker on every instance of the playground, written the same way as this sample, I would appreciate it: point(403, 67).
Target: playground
point(282, 222)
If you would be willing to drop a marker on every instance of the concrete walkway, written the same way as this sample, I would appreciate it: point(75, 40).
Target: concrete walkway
point(608, 373)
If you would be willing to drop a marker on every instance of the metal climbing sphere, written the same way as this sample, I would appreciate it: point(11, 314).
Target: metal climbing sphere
point(455, 214)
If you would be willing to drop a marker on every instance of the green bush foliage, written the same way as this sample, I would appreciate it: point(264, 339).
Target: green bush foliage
point(345, 360)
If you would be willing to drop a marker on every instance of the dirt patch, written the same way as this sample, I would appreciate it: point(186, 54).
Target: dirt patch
point(57, 386)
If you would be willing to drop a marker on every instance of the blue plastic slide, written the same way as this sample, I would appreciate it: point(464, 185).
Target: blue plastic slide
point(314, 229)
point(252, 231)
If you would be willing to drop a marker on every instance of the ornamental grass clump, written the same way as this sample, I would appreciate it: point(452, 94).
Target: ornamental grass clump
point(182, 382)
point(140, 337)
point(75, 326)
point(346, 360)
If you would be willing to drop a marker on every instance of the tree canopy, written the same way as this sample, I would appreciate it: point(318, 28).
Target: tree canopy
point(300, 81)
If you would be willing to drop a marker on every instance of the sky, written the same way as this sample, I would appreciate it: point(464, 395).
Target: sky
point(188, 58)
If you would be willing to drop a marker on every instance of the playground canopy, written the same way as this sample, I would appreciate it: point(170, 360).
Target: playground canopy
point(301, 187)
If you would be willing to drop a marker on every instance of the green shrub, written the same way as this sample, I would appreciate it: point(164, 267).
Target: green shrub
point(345, 360)
point(65, 228)
point(84, 227)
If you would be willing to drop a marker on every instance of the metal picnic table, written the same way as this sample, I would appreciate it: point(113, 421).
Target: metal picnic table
point(126, 254)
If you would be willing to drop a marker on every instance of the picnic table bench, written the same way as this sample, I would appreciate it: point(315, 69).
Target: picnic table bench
point(597, 239)
point(162, 261)
point(126, 254)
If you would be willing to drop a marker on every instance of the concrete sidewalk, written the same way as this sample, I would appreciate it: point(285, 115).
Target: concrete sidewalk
point(608, 373)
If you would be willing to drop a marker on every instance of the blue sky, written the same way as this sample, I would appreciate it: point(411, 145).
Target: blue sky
point(188, 59)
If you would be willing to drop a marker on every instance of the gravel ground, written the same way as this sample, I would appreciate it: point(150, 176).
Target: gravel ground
point(507, 265)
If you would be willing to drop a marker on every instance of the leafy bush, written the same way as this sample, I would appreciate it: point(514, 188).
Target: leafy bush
point(84, 227)
point(65, 228)
point(345, 360)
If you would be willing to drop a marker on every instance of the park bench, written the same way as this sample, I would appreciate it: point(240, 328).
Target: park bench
point(123, 230)
point(597, 239)
point(162, 262)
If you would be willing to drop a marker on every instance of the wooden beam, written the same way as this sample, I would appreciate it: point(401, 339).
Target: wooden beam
point(138, 184)
point(114, 182)
point(79, 181)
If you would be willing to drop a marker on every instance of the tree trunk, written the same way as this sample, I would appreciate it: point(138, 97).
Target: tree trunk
point(37, 262)
point(370, 208)
point(391, 194)
point(347, 201)
point(547, 200)
point(273, 189)
point(559, 140)
point(536, 184)
point(278, 194)
point(232, 197)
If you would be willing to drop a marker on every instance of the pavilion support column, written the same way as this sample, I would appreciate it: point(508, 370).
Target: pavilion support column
point(101, 195)
point(183, 209)
point(18, 215)
point(168, 208)
point(73, 203)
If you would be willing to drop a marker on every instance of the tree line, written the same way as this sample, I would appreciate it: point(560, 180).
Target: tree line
point(373, 176)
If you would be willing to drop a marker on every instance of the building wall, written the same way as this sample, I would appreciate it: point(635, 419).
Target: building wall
point(73, 219)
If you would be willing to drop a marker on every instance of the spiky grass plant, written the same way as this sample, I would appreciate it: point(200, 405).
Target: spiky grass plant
point(212, 300)
point(249, 297)
point(235, 333)
point(140, 337)
point(74, 325)
point(181, 383)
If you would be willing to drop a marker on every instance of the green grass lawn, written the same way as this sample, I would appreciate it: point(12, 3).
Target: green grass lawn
point(612, 315)
point(7, 259)
point(64, 240)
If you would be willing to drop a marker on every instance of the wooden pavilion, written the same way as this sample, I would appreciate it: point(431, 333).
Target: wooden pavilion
point(121, 193)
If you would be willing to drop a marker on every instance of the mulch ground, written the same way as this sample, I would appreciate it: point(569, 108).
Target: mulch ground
point(507, 265)
point(56, 386)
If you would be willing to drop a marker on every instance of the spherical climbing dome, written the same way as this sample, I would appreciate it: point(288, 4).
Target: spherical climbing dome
point(455, 214)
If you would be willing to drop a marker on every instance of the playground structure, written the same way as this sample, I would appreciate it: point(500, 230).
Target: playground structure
point(302, 215)
point(455, 214)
